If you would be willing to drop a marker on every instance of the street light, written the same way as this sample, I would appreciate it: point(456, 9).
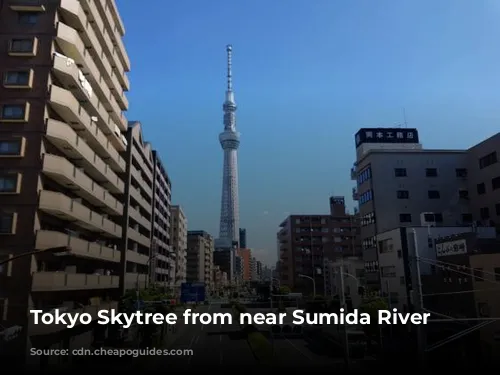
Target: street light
point(53, 250)
point(313, 281)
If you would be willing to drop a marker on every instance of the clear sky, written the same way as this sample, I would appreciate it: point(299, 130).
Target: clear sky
point(307, 75)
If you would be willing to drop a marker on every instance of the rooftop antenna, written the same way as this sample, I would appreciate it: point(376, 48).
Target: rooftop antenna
point(404, 117)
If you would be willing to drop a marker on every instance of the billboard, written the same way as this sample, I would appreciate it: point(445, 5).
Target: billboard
point(192, 292)
point(451, 248)
point(386, 135)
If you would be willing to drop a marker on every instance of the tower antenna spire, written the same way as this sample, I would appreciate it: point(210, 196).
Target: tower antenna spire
point(229, 50)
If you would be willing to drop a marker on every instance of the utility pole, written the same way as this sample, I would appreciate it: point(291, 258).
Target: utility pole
point(419, 304)
point(343, 304)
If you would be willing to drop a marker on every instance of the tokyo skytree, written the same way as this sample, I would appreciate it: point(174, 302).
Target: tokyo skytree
point(230, 141)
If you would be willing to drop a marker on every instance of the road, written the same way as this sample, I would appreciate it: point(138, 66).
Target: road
point(217, 345)
point(221, 345)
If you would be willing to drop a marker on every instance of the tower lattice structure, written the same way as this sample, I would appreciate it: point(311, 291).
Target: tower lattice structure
point(230, 141)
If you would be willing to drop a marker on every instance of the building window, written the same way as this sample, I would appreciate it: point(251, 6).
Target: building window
point(431, 172)
point(433, 194)
point(402, 280)
point(484, 212)
point(463, 194)
point(495, 183)
point(9, 183)
point(438, 218)
point(467, 218)
point(496, 270)
point(461, 172)
point(403, 194)
point(385, 246)
point(28, 18)
point(400, 172)
point(365, 197)
point(405, 218)
point(481, 188)
point(488, 160)
point(14, 112)
point(20, 78)
point(365, 175)
point(23, 47)
point(389, 271)
point(478, 274)
point(7, 223)
point(11, 147)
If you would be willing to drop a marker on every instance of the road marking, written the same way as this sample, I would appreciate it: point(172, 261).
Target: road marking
point(300, 351)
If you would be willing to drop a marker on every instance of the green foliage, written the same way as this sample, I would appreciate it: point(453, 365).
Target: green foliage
point(371, 305)
point(284, 290)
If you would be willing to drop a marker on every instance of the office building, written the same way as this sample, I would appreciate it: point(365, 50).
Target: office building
point(178, 238)
point(225, 260)
point(243, 238)
point(200, 248)
point(259, 269)
point(483, 175)
point(396, 249)
point(401, 184)
point(306, 240)
point(462, 284)
point(62, 103)
point(253, 269)
point(163, 259)
point(137, 217)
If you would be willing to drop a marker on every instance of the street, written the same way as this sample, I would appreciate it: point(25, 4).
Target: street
point(221, 345)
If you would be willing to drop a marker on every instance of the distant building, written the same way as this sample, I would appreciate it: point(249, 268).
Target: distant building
point(200, 248)
point(243, 238)
point(246, 255)
point(178, 238)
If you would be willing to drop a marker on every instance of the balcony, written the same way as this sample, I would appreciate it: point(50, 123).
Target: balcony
point(77, 150)
point(45, 329)
point(136, 216)
point(355, 194)
point(134, 193)
point(26, 6)
point(135, 257)
point(73, 178)
point(68, 209)
point(354, 175)
point(78, 247)
point(71, 110)
point(75, 16)
point(138, 237)
point(62, 281)
point(72, 46)
point(134, 280)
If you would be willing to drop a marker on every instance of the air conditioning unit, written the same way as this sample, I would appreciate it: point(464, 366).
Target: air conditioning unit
point(428, 219)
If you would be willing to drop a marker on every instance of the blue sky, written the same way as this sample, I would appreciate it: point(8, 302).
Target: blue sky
point(307, 75)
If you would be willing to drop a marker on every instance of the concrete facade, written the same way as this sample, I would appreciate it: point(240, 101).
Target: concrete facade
point(178, 238)
point(200, 249)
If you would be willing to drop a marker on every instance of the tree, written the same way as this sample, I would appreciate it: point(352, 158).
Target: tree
point(284, 290)
point(371, 306)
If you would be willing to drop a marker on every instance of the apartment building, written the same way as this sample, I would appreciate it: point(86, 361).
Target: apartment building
point(483, 170)
point(246, 257)
point(137, 218)
point(62, 104)
point(401, 184)
point(163, 258)
point(353, 273)
point(200, 248)
point(178, 238)
point(306, 240)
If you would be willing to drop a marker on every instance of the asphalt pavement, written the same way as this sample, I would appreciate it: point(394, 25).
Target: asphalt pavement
point(211, 345)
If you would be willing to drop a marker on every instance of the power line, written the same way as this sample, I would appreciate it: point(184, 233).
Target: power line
point(460, 266)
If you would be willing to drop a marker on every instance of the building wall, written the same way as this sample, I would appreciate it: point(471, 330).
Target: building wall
point(380, 206)
point(243, 238)
point(164, 262)
point(138, 212)
point(246, 255)
point(68, 167)
point(200, 257)
point(485, 204)
point(178, 238)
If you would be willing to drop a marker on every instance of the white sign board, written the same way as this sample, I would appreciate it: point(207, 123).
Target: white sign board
point(451, 248)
